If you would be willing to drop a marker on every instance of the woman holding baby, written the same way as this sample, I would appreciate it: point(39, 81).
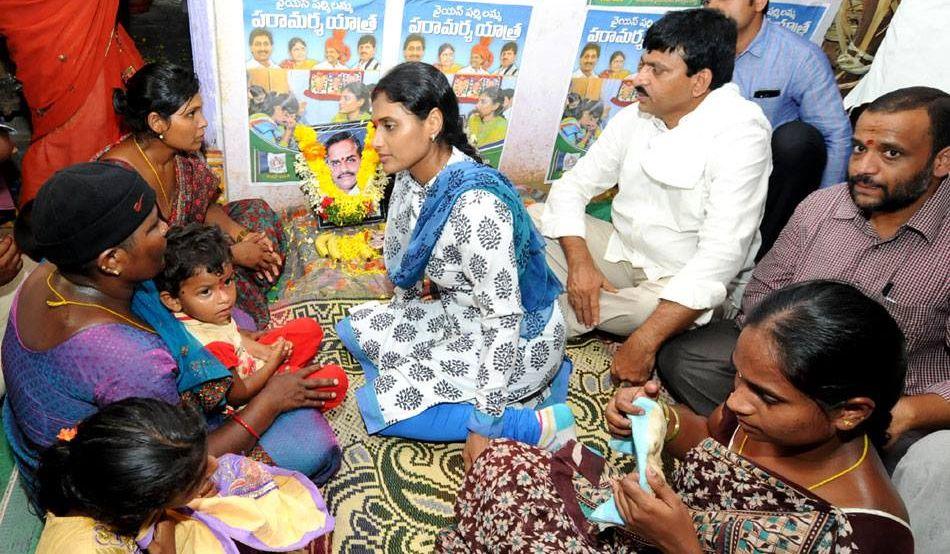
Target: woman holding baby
point(74, 342)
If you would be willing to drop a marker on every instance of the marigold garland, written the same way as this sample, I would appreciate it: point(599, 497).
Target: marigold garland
point(329, 201)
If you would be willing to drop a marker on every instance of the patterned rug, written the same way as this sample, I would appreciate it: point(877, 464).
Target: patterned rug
point(390, 495)
point(393, 495)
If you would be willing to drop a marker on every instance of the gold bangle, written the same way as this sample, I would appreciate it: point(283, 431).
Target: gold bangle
point(667, 410)
point(241, 236)
point(676, 426)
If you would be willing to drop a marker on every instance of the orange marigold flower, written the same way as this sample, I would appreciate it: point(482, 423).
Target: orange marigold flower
point(314, 151)
point(67, 434)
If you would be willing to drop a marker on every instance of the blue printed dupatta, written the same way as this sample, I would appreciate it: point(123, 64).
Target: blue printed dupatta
point(538, 285)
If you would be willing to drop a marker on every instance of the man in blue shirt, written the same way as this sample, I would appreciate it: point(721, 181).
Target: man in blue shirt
point(791, 80)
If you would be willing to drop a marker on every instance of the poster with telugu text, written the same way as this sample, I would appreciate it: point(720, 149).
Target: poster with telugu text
point(609, 52)
point(308, 62)
point(808, 18)
point(608, 55)
point(478, 46)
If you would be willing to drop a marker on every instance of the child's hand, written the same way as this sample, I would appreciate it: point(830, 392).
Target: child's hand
point(163, 540)
point(279, 351)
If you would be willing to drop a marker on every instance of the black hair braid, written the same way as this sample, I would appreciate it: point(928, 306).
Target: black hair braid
point(421, 88)
point(457, 138)
point(158, 87)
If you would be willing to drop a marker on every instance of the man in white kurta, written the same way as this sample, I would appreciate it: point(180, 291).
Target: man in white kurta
point(692, 160)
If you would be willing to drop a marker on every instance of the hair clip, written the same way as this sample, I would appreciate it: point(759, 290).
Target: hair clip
point(67, 434)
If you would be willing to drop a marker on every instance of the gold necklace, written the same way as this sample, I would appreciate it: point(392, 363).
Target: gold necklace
point(63, 302)
point(161, 184)
point(823, 482)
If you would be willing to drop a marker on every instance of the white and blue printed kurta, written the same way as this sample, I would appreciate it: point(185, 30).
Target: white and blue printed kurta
point(464, 345)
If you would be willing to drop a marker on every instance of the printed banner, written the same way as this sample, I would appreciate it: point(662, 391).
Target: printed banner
point(641, 3)
point(610, 50)
point(808, 18)
point(477, 46)
point(609, 53)
point(309, 62)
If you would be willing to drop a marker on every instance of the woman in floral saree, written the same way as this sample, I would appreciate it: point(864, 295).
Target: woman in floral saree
point(788, 464)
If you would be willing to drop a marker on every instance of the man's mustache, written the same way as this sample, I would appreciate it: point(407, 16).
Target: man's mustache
point(864, 179)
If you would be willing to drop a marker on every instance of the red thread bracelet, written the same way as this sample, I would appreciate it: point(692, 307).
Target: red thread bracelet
point(244, 424)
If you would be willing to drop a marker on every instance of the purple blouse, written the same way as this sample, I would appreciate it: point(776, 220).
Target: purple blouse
point(56, 388)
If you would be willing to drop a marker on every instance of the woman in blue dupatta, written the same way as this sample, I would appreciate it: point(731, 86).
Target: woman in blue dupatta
point(471, 346)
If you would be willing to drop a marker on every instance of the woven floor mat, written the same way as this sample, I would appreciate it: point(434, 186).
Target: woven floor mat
point(393, 495)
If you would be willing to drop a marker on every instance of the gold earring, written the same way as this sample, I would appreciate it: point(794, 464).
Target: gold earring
point(432, 138)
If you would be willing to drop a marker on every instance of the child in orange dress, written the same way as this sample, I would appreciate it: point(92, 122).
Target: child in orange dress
point(197, 285)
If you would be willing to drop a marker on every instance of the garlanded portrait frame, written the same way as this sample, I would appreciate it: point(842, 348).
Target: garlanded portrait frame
point(333, 206)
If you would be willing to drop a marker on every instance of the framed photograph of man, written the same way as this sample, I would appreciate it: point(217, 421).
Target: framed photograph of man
point(342, 176)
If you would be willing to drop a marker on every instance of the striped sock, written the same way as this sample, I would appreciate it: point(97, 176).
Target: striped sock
point(557, 426)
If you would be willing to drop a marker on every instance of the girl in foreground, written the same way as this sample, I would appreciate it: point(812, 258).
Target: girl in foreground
point(137, 477)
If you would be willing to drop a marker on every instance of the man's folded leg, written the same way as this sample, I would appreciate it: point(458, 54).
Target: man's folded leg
point(696, 367)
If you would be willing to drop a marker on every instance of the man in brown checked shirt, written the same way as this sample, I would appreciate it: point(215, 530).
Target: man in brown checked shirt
point(887, 232)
